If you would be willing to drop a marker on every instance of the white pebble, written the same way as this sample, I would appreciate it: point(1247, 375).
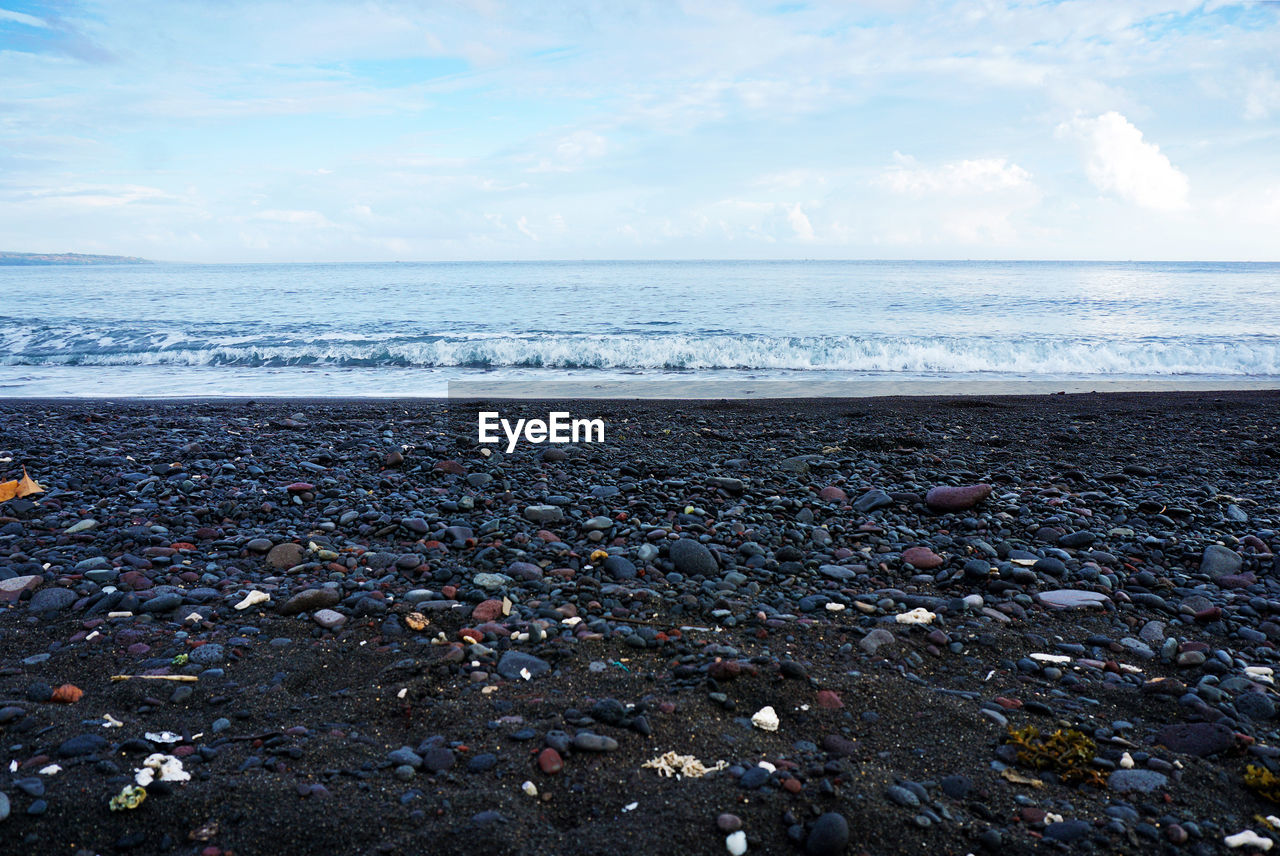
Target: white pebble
point(766, 719)
point(919, 615)
point(1126, 761)
point(530, 789)
point(1261, 674)
point(1247, 838)
point(736, 842)
point(1051, 658)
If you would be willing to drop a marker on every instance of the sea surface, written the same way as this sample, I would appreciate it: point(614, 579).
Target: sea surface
point(415, 329)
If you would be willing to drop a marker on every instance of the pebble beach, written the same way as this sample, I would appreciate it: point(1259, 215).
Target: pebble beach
point(945, 624)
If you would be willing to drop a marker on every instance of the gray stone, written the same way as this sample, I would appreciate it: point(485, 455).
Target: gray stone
point(1073, 598)
point(872, 500)
point(1141, 781)
point(85, 744)
point(589, 741)
point(1256, 706)
point(328, 619)
point(514, 662)
point(208, 654)
point(620, 568)
point(167, 602)
point(543, 514)
point(1196, 738)
point(309, 601)
point(1218, 561)
point(829, 835)
point(52, 600)
point(4, 806)
point(405, 756)
point(875, 640)
point(691, 557)
point(285, 556)
point(902, 796)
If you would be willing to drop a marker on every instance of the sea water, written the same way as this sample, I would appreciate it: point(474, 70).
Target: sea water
point(412, 329)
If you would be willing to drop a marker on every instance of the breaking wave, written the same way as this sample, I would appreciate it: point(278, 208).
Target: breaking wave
point(1248, 356)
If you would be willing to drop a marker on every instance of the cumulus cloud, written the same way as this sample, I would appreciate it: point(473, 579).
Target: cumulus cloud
point(1120, 161)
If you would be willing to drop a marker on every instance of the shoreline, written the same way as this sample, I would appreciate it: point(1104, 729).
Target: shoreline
point(440, 627)
point(943, 392)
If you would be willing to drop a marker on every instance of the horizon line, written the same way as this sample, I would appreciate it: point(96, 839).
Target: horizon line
point(673, 260)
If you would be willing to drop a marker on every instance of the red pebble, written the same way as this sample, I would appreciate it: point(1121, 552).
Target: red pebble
point(449, 591)
point(831, 493)
point(487, 610)
point(300, 487)
point(791, 786)
point(829, 700)
point(550, 762)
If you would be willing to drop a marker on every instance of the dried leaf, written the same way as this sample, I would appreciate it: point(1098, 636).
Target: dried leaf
point(19, 488)
point(68, 694)
point(1019, 779)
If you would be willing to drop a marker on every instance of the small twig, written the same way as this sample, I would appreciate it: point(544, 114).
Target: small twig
point(186, 679)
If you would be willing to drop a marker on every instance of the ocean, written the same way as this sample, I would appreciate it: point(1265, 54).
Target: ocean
point(795, 327)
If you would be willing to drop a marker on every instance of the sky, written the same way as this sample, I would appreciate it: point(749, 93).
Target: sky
point(225, 131)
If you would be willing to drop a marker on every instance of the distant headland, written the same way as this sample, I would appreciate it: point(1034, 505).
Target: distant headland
point(67, 259)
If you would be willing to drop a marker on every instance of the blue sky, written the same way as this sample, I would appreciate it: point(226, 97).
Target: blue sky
point(482, 129)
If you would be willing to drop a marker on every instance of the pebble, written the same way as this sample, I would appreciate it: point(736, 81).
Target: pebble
point(829, 835)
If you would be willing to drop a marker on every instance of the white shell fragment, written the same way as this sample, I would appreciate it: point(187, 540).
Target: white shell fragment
point(1051, 658)
point(736, 842)
point(253, 597)
point(919, 615)
point(1247, 838)
point(163, 737)
point(766, 719)
point(165, 768)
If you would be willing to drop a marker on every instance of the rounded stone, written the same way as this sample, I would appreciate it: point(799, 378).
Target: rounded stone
point(829, 835)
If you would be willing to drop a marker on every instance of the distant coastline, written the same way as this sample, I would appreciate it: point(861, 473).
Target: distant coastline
point(68, 259)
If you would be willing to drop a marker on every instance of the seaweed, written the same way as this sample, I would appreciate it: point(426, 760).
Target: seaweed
point(1068, 753)
point(1263, 782)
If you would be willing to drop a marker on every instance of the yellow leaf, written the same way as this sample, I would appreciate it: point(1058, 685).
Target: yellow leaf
point(28, 485)
point(24, 487)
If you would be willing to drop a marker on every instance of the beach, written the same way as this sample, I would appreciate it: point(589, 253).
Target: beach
point(857, 605)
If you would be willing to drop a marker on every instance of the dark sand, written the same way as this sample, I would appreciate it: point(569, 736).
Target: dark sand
point(299, 763)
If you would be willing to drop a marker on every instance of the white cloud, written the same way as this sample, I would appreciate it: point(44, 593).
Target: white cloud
point(800, 223)
point(313, 219)
point(572, 152)
point(1120, 161)
point(23, 18)
point(1263, 95)
point(984, 175)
